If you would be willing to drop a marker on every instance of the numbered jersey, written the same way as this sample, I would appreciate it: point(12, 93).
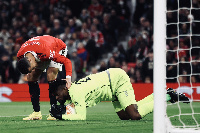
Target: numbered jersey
point(93, 89)
point(47, 48)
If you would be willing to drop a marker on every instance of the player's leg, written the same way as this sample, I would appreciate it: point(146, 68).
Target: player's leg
point(127, 108)
point(130, 112)
point(125, 103)
point(52, 73)
point(120, 111)
point(145, 106)
point(123, 115)
point(34, 91)
point(51, 77)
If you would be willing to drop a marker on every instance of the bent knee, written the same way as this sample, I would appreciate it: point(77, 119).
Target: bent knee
point(124, 118)
point(133, 113)
point(32, 77)
point(52, 73)
point(136, 116)
point(29, 77)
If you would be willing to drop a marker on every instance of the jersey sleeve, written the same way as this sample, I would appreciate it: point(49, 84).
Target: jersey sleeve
point(80, 107)
point(63, 60)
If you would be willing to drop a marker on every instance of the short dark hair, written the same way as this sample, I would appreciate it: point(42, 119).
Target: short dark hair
point(23, 65)
point(60, 83)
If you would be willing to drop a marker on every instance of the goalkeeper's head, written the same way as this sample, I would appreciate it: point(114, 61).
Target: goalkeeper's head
point(61, 91)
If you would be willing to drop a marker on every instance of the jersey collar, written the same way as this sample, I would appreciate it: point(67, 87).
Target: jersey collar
point(34, 54)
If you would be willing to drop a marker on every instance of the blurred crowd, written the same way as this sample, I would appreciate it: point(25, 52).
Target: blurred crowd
point(92, 28)
point(183, 41)
point(89, 28)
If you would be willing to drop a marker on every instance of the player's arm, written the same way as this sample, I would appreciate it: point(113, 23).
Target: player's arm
point(63, 60)
point(68, 67)
point(80, 108)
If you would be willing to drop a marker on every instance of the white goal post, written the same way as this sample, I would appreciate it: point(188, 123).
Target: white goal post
point(161, 122)
point(159, 85)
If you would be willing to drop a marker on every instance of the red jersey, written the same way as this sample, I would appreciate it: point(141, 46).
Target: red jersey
point(47, 48)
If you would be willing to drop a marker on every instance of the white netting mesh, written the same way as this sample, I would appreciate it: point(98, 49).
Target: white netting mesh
point(183, 60)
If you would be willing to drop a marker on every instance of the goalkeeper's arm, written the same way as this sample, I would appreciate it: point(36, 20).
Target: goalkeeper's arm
point(80, 108)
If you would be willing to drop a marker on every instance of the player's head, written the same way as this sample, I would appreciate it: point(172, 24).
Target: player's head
point(24, 66)
point(61, 92)
point(27, 64)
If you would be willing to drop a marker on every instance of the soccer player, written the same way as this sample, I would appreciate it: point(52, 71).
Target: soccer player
point(34, 56)
point(110, 85)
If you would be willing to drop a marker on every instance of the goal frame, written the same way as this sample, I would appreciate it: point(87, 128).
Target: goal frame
point(161, 124)
point(159, 78)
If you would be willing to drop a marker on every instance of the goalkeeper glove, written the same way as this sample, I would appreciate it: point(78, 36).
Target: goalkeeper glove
point(57, 111)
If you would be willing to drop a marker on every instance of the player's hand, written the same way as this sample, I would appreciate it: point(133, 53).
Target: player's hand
point(68, 82)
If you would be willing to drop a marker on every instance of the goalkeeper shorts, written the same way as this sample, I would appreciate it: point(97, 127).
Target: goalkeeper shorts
point(123, 90)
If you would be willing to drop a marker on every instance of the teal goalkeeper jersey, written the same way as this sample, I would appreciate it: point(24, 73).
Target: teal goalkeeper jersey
point(89, 91)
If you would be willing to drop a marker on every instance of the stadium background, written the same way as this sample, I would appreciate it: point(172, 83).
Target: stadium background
point(99, 34)
point(124, 38)
point(14, 92)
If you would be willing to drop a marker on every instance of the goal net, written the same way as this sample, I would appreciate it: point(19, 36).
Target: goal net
point(177, 64)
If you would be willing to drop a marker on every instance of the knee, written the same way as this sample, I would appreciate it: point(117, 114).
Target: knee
point(30, 77)
point(124, 118)
point(133, 116)
point(133, 113)
point(52, 73)
point(136, 116)
point(34, 75)
point(51, 76)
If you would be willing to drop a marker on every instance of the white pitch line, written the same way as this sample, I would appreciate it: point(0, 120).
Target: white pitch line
point(19, 115)
point(6, 106)
point(45, 114)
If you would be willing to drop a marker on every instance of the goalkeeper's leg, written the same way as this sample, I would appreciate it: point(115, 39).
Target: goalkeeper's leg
point(145, 106)
point(136, 110)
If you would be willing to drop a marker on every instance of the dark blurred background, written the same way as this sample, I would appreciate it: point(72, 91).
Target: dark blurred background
point(102, 34)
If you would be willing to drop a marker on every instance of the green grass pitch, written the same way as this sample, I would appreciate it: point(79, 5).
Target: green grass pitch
point(100, 119)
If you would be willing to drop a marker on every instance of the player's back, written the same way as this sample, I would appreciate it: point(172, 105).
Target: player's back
point(40, 42)
point(95, 88)
point(40, 45)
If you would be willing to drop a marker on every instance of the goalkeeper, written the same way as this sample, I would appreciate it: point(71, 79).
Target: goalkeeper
point(110, 85)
